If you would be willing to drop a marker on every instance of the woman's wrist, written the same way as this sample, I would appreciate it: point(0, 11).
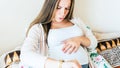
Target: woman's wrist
point(60, 63)
point(67, 64)
point(85, 41)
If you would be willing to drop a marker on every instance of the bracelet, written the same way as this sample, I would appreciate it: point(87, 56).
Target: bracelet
point(60, 63)
point(45, 63)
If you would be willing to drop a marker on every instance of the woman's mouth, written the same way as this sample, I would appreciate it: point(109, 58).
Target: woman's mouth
point(61, 18)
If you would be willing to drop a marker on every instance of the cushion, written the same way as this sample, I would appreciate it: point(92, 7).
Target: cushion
point(12, 57)
point(105, 45)
point(110, 50)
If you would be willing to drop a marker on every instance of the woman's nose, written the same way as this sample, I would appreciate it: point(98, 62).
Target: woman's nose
point(63, 11)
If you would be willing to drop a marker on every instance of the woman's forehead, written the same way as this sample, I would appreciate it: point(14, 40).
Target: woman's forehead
point(64, 3)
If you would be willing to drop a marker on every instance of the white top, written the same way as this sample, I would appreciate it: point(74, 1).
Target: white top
point(55, 38)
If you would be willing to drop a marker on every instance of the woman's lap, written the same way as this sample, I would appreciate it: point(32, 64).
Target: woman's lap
point(85, 66)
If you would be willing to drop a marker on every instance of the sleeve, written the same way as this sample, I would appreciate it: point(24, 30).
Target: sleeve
point(29, 55)
point(88, 33)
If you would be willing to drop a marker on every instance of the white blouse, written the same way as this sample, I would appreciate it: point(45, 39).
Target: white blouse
point(55, 39)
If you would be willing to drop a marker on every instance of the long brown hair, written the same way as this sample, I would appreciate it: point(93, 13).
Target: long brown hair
point(46, 14)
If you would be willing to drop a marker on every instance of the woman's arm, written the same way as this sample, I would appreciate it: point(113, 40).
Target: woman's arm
point(29, 51)
point(88, 34)
point(84, 41)
point(87, 40)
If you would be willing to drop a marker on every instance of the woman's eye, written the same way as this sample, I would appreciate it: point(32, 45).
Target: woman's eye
point(58, 7)
point(67, 8)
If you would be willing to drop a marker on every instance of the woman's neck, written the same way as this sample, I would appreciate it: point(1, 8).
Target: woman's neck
point(62, 24)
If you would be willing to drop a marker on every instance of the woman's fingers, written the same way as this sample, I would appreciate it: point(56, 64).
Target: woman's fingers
point(69, 49)
point(66, 48)
point(70, 46)
point(75, 49)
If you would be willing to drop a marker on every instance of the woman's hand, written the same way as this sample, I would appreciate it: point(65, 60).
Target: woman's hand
point(71, 64)
point(71, 45)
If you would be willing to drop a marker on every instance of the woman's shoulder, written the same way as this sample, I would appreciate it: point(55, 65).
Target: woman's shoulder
point(76, 20)
point(36, 28)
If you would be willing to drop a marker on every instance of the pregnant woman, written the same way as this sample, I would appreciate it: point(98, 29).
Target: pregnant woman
point(57, 40)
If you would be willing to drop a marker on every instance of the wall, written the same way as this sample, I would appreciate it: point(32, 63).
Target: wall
point(15, 16)
point(100, 15)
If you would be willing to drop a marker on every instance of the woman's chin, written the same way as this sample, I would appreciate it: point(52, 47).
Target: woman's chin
point(59, 21)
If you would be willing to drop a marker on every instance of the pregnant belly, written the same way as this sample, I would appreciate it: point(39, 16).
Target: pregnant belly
point(58, 54)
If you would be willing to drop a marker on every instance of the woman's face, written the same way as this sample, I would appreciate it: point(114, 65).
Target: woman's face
point(62, 10)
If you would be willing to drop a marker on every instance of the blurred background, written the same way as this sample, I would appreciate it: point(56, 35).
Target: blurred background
point(16, 15)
